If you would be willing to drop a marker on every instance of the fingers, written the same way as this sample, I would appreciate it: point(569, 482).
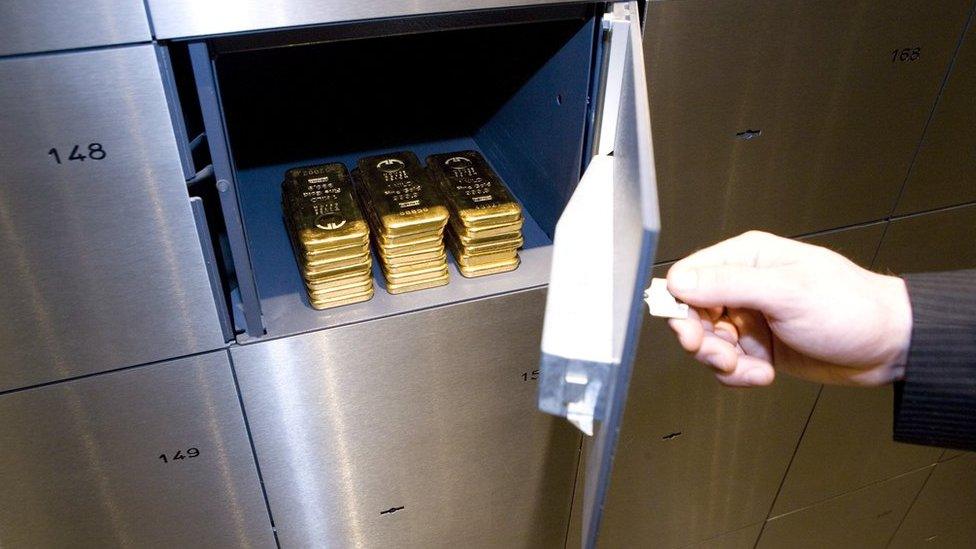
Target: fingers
point(725, 329)
point(717, 353)
point(731, 365)
point(749, 371)
point(740, 250)
point(710, 342)
point(737, 347)
point(751, 249)
point(690, 331)
point(754, 336)
point(741, 272)
point(762, 289)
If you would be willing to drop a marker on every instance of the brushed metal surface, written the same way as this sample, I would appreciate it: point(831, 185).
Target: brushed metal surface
point(183, 18)
point(424, 415)
point(43, 25)
point(951, 454)
point(102, 265)
point(936, 241)
point(944, 169)
point(866, 518)
point(80, 465)
point(859, 244)
point(942, 516)
point(840, 122)
point(697, 459)
point(847, 445)
point(743, 538)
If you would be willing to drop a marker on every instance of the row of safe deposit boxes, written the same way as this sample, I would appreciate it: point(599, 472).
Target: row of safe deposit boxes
point(129, 416)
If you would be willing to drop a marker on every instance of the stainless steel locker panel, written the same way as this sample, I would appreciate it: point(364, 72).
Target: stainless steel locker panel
point(102, 265)
point(942, 516)
point(44, 25)
point(744, 538)
point(951, 454)
point(697, 459)
point(183, 18)
point(80, 461)
point(839, 121)
point(847, 445)
point(936, 241)
point(418, 430)
point(944, 172)
point(859, 244)
point(865, 518)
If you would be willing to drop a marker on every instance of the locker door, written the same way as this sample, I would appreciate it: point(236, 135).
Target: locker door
point(603, 251)
point(153, 456)
point(46, 25)
point(101, 260)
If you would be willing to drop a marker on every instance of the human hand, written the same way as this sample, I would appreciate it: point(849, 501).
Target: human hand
point(761, 303)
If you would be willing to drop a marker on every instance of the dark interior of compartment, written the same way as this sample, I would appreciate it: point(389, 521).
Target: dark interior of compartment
point(519, 91)
point(287, 104)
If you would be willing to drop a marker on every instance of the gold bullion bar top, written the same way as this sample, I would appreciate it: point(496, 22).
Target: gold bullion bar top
point(474, 192)
point(321, 208)
point(401, 195)
point(329, 234)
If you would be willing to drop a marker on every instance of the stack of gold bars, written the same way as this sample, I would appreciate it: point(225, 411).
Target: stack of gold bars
point(329, 234)
point(407, 216)
point(485, 231)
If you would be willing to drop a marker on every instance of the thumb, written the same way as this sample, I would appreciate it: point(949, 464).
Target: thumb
point(737, 286)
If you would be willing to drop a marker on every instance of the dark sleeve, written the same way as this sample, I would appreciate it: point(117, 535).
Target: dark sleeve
point(936, 402)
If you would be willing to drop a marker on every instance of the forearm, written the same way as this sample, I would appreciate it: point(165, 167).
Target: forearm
point(936, 402)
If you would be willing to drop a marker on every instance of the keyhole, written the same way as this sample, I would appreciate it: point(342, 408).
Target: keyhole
point(748, 135)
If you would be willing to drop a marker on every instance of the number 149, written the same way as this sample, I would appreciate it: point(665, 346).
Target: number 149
point(190, 453)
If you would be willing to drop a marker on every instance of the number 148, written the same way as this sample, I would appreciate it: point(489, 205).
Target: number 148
point(95, 152)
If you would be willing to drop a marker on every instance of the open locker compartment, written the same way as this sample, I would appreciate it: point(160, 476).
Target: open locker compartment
point(516, 91)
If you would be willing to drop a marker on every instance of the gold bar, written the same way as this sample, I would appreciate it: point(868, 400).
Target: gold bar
point(418, 241)
point(354, 280)
point(469, 261)
point(485, 247)
point(338, 274)
point(435, 271)
point(485, 270)
point(321, 207)
point(414, 256)
point(400, 195)
point(397, 288)
point(340, 301)
point(473, 191)
point(361, 261)
point(439, 262)
point(335, 259)
point(333, 293)
point(509, 239)
point(341, 251)
point(318, 273)
point(486, 231)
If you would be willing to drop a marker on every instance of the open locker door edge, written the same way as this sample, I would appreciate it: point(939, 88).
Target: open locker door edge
point(602, 255)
